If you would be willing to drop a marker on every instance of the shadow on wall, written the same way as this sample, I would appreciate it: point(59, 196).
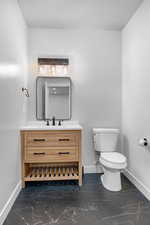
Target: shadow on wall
point(89, 155)
point(126, 151)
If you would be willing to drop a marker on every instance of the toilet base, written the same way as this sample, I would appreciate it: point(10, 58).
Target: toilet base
point(111, 179)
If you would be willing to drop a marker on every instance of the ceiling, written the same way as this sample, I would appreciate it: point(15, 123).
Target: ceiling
point(106, 14)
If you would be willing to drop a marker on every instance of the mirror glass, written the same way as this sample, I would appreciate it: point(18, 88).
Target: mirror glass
point(53, 98)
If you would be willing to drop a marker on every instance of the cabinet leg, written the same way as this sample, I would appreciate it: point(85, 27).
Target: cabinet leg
point(23, 184)
point(80, 181)
point(80, 175)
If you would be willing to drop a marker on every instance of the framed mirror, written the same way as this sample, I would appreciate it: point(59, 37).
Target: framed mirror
point(53, 98)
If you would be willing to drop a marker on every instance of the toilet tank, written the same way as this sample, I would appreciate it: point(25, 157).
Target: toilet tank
point(105, 140)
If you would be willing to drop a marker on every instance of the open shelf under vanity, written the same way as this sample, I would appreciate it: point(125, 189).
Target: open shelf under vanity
point(48, 172)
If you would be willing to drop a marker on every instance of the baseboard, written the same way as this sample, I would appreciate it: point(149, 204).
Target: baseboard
point(140, 186)
point(9, 203)
point(92, 169)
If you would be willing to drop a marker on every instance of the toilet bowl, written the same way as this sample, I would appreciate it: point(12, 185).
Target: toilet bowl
point(105, 141)
point(113, 163)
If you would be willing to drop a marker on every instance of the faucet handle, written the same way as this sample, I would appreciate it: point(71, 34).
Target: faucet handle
point(59, 123)
point(47, 122)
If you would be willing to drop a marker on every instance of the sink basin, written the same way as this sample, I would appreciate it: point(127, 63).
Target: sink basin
point(42, 126)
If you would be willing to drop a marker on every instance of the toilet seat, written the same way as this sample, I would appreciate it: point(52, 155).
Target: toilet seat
point(114, 157)
point(113, 160)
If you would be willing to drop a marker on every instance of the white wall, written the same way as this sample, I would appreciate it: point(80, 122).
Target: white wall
point(13, 61)
point(95, 72)
point(136, 92)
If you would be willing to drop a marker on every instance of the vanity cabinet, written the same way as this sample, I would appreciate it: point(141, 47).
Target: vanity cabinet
point(51, 155)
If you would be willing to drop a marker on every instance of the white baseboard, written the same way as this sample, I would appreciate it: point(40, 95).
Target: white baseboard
point(92, 169)
point(9, 203)
point(140, 186)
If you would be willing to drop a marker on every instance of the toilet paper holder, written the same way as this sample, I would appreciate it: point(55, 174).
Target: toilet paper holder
point(144, 142)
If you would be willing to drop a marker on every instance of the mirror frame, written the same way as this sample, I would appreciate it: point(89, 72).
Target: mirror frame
point(39, 77)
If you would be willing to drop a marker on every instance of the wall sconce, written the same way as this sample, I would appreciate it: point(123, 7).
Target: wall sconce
point(26, 92)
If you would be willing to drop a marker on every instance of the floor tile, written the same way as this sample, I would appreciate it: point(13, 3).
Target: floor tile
point(65, 203)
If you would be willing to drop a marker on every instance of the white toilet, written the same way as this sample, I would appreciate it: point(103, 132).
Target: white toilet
point(105, 141)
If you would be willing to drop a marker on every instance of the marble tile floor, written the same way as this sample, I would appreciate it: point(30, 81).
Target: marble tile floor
point(64, 203)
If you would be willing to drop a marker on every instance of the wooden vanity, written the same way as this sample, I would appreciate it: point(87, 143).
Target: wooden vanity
point(51, 155)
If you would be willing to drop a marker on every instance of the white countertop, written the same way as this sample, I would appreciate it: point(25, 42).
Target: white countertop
point(41, 125)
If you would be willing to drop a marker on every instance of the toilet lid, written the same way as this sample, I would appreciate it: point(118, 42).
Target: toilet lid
point(113, 157)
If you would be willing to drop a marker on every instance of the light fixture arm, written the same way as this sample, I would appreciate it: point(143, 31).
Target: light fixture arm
point(26, 92)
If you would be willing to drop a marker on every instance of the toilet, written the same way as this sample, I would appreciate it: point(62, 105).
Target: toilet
point(105, 142)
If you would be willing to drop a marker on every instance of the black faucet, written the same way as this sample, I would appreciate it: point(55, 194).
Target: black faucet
point(53, 121)
point(47, 122)
point(59, 123)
